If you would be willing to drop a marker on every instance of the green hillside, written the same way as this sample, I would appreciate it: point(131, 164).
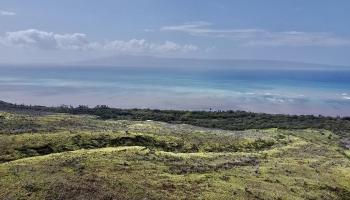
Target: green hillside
point(63, 156)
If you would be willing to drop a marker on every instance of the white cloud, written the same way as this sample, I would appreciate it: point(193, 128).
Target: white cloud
point(260, 37)
point(148, 30)
point(7, 13)
point(143, 46)
point(172, 46)
point(33, 38)
point(46, 40)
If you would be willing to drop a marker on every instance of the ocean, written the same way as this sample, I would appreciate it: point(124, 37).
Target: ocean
point(317, 92)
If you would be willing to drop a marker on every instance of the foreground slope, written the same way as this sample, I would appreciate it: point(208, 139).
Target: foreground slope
point(60, 156)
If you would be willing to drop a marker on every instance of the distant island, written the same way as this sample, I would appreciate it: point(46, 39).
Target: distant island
point(140, 61)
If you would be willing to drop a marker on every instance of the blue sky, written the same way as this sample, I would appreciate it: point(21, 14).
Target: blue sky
point(61, 31)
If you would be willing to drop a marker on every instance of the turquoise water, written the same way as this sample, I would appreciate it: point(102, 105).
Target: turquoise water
point(273, 91)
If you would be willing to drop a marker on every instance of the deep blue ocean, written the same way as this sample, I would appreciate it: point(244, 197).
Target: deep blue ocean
point(316, 92)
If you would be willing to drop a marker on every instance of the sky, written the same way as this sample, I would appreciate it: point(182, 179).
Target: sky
point(316, 31)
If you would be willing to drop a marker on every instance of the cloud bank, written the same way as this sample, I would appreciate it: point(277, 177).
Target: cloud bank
point(33, 38)
point(45, 40)
point(139, 46)
point(260, 37)
point(7, 13)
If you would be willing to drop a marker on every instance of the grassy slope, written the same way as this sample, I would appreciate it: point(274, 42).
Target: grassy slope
point(80, 157)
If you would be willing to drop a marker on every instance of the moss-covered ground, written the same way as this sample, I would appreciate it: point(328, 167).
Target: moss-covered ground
point(60, 156)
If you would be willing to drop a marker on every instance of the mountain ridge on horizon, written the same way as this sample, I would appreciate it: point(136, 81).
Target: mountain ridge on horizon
point(170, 62)
point(154, 61)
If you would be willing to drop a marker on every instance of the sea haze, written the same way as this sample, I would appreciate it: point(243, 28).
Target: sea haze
point(272, 91)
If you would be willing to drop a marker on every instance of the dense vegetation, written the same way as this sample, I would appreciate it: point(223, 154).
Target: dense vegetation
point(229, 120)
point(81, 157)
